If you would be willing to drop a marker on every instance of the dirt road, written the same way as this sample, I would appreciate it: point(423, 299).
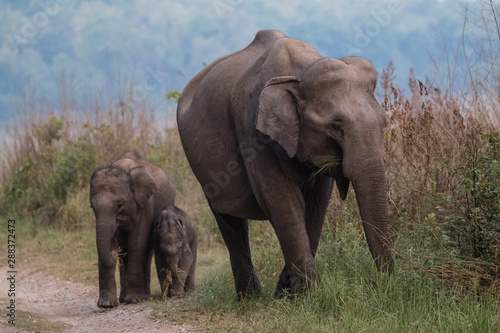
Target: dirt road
point(46, 303)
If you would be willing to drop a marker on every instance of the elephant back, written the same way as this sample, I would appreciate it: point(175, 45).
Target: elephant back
point(165, 193)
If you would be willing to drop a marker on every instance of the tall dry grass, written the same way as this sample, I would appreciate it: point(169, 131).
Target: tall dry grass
point(48, 158)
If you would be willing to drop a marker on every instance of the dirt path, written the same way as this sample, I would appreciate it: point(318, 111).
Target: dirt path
point(65, 306)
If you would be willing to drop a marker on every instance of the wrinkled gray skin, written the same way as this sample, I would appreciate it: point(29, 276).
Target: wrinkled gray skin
point(175, 251)
point(127, 197)
point(256, 127)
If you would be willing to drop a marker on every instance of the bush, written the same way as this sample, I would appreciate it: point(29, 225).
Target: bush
point(475, 202)
point(443, 179)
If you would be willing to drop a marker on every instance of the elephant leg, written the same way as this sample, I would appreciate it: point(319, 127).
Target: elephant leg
point(161, 270)
point(285, 206)
point(147, 271)
point(184, 279)
point(177, 286)
point(299, 261)
point(185, 267)
point(135, 278)
point(107, 284)
point(123, 277)
point(190, 283)
point(235, 234)
point(107, 287)
point(316, 196)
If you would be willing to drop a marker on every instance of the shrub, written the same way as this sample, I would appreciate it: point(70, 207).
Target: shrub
point(443, 178)
point(475, 202)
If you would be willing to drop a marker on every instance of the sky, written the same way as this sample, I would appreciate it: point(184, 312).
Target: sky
point(141, 49)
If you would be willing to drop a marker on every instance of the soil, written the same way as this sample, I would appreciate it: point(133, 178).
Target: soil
point(65, 306)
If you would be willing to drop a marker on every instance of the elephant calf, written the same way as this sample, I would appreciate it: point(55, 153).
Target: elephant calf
point(127, 197)
point(175, 251)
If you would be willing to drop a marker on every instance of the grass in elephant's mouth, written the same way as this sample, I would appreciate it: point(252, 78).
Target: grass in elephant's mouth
point(329, 163)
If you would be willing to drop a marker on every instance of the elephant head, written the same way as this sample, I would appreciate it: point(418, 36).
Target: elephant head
point(169, 239)
point(117, 197)
point(330, 120)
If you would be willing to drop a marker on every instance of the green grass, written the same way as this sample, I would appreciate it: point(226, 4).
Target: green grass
point(351, 297)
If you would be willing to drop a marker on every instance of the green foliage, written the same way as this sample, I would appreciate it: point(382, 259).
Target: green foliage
point(26, 193)
point(40, 185)
point(430, 241)
point(49, 131)
point(174, 94)
point(73, 167)
point(476, 200)
point(351, 296)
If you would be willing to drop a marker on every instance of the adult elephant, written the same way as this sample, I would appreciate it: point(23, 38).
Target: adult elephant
point(127, 197)
point(268, 131)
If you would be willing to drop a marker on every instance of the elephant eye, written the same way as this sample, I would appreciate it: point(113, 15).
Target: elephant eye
point(120, 204)
point(336, 130)
point(336, 126)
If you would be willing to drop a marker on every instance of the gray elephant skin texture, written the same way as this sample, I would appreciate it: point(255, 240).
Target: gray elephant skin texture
point(268, 131)
point(175, 245)
point(127, 197)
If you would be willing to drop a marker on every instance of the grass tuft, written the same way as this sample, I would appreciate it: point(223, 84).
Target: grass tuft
point(329, 163)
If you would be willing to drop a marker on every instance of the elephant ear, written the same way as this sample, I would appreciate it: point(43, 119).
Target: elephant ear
point(144, 185)
point(278, 115)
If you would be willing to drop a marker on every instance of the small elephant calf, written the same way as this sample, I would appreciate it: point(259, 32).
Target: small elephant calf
point(175, 251)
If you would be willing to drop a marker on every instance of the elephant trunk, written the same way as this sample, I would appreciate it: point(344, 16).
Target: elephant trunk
point(105, 230)
point(370, 185)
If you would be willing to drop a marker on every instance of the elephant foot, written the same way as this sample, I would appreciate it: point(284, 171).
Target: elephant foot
point(248, 295)
point(176, 294)
point(106, 303)
point(131, 299)
point(253, 291)
point(284, 285)
point(293, 286)
point(280, 293)
point(248, 288)
point(123, 294)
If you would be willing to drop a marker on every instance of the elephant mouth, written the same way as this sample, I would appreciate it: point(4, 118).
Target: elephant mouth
point(331, 166)
point(328, 165)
